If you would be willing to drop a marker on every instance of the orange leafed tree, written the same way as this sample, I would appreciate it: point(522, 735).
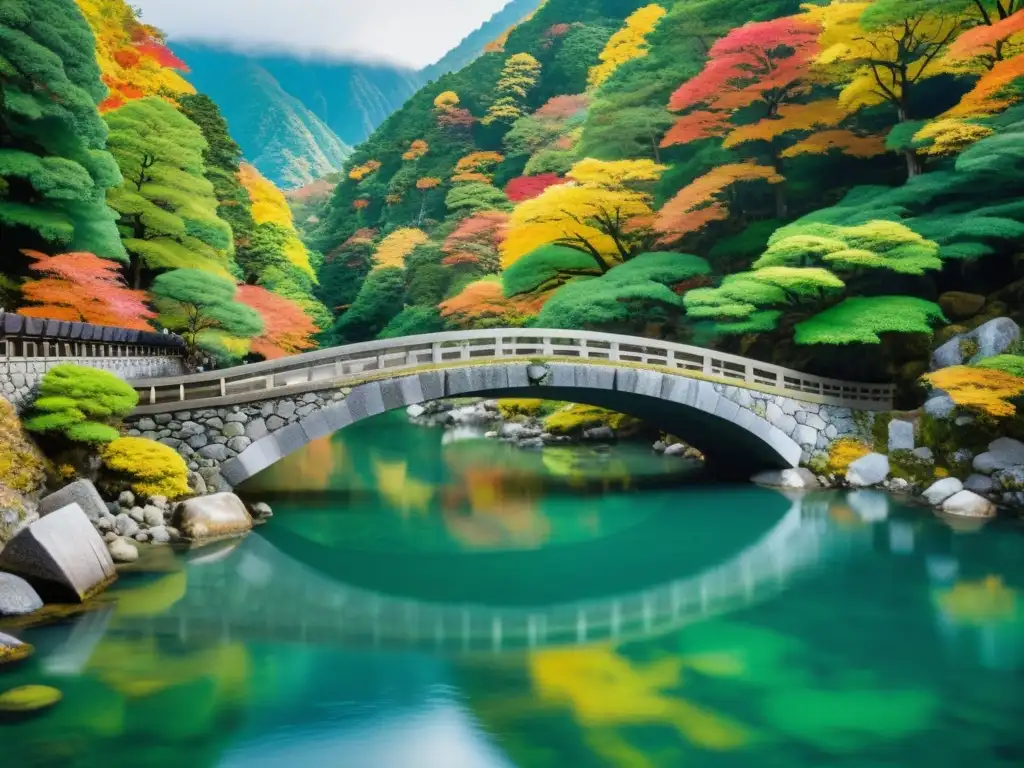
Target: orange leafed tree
point(992, 93)
point(989, 43)
point(482, 304)
point(697, 205)
point(476, 167)
point(288, 330)
point(368, 168)
point(477, 240)
point(83, 287)
point(847, 142)
point(981, 389)
point(416, 150)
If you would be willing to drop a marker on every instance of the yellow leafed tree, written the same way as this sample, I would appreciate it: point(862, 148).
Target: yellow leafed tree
point(982, 389)
point(269, 206)
point(602, 212)
point(518, 77)
point(627, 44)
point(395, 247)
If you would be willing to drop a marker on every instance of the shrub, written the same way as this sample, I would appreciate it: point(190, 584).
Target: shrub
point(843, 453)
point(22, 467)
point(576, 418)
point(80, 404)
point(513, 407)
point(150, 468)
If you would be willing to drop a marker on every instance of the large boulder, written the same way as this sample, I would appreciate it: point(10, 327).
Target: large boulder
point(992, 338)
point(980, 484)
point(212, 517)
point(17, 597)
point(1002, 454)
point(81, 492)
point(868, 470)
point(942, 490)
point(61, 553)
point(791, 479)
point(968, 504)
point(958, 305)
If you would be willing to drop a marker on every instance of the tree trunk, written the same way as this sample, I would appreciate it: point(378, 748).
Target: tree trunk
point(914, 165)
point(135, 271)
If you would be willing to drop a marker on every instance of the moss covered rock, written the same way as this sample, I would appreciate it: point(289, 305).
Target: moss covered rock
point(12, 649)
point(959, 305)
point(29, 698)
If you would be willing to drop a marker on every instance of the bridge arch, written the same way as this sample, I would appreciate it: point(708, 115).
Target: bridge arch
point(731, 436)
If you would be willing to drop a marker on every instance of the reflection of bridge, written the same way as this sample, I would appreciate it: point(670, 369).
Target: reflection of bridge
point(298, 603)
point(690, 391)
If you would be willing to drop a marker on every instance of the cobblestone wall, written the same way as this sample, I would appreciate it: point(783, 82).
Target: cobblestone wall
point(813, 427)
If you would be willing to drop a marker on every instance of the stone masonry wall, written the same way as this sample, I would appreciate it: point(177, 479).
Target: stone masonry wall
point(812, 426)
point(207, 438)
point(20, 378)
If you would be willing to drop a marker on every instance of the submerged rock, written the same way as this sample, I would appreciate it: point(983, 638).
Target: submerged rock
point(868, 470)
point(12, 649)
point(17, 597)
point(29, 698)
point(122, 551)
point(968, 504)
point(795, 479)
point(216, 516)
point(63, 550)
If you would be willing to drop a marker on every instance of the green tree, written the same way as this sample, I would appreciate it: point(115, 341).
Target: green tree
point(474, 197)
point(80, 405)
point(863, 320)
point(222, 159)
point(380, 299)
point(168, 208)
point(546, 268)
point(54, 167)
point(194, 302)
point(647, 290)
point(412, 321)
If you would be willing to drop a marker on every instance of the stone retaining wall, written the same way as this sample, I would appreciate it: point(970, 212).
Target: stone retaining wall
point(207, 438)
point(812, 426)
point(19, 377)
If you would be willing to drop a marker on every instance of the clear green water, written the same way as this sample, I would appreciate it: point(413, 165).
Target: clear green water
point(415, 604)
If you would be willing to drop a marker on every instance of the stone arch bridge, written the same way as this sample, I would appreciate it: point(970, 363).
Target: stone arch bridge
point(742, 414)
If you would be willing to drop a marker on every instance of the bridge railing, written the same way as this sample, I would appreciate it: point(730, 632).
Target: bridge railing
point(340, 365)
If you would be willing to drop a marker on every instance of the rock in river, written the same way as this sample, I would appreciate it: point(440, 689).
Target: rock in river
point(787, 478)
point(216, 516)
point(17, 597)
point(868, 470)
point(62, 551)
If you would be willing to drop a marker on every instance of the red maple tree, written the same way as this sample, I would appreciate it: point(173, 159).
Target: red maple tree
point(529, 187)
point(82, 287)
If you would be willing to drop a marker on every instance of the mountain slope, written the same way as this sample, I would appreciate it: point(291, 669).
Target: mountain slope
point(474, 43)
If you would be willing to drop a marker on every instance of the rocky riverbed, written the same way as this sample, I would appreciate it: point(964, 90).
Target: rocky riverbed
point(530, 427)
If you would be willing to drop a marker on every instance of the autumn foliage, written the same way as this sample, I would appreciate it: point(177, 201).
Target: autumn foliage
point(288, 330)
point(83, 288)
point(627, 44)
point(529, 187)
point(395, 247)
point(986, 390)
point(701, 203)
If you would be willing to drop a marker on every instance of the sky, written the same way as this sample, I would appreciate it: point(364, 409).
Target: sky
point(410, 32)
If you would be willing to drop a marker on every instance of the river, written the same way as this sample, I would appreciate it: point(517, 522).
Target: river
point(430, 599)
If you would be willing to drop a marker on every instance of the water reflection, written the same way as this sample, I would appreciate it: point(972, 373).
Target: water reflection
point(438, 611)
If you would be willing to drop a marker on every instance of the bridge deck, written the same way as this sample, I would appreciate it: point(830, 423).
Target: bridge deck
point(356, 363)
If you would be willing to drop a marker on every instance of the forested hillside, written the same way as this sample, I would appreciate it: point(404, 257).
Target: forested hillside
point(123, 199)
point(835, 186)
point(478, 41)
point(277, 132)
